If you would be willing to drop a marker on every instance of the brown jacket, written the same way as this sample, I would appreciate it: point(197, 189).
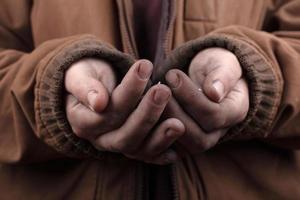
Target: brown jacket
point(41, 157)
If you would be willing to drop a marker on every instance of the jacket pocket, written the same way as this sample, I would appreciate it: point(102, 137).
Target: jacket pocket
point(200, 10)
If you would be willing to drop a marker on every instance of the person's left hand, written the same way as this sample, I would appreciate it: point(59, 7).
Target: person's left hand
point(213, 98)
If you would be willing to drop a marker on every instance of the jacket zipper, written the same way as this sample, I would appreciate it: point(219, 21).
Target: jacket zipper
point(141, 179)
point(174, 185)
point(164, 46)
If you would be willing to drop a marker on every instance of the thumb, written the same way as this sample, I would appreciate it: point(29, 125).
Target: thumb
point(217, 71)
point(95, 96)
point(219, 82)
point(90, 86)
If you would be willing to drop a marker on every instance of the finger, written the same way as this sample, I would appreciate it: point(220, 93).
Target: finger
point(128, 137)
point(217, 76)
point(193, 101)
point(195, 139)
point(235, 105)
point(82, 120)
point(219, 82)
point(127, 95)
point(162, 138)
point(82, 81)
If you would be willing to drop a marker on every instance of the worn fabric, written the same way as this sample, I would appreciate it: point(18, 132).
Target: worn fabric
point(41, 157)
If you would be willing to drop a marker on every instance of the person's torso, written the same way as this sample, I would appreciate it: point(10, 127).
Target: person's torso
point(213, 175)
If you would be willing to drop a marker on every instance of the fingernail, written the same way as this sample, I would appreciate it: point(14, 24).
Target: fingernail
point(145, 70)
point(172, 79)
point(219, 87)
point(160, 96)
point(92, 97)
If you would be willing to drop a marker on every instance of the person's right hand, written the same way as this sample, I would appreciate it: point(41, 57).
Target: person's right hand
point(119, 118)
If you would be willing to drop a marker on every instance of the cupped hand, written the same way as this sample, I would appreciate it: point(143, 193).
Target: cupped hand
point(209, 100)
point(121, 118)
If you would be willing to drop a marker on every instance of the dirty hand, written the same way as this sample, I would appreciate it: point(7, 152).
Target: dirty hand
point(210, 100)
point(118, 118)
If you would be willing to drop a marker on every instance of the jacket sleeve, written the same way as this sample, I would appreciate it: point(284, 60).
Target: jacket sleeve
point(33, 122)
point(271, 65)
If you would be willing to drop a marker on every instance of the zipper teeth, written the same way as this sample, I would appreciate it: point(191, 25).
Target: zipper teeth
point(165, 45)
point(175, 193)
point(167, 49)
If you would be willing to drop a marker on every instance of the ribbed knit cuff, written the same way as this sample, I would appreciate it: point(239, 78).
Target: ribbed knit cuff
point(53, 126)
point(265, 86)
